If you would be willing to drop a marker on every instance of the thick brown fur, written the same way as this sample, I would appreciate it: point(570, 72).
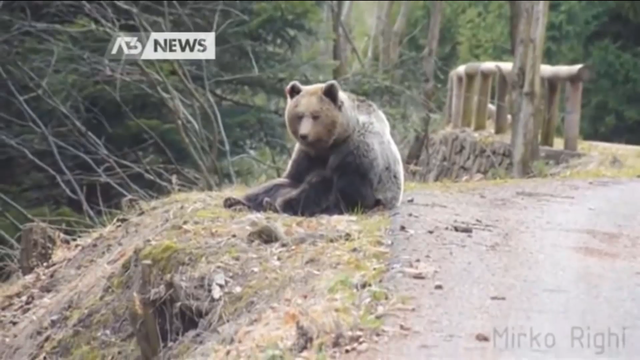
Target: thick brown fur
point(344, 159)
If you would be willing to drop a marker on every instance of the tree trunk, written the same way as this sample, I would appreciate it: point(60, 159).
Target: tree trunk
point(341, 68)
point(538, 33)
point(428, 90)
point(385, 34)
point(525, 148)
point(374, 35)
point(518, 143)
point(398, 32)
point(514, 17)
point(346, 22)
point(326, 43)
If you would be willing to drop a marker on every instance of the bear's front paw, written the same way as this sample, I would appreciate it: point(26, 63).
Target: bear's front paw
point(378, 209)
point(269, 205)
point(287, 206)
point(233, 203)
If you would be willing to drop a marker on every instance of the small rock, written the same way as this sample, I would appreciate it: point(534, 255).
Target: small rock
point(462, 229)
point(266, 234)
point(482, 337)
point(345, 236)
point(355, 337)
point(362, 347)
point(615, 162)
point(410, 200)
point(216, 292)
point(498, 298)
point(404, 327)
point(304, 339)
point(218, 279)
point(403, 228)
point(415, 274)
point(438, 286)
point(338, 340)
point(237, 290)
point(361, 285)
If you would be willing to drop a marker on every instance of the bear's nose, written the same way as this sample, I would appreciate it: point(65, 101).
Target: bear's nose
point(304, 137)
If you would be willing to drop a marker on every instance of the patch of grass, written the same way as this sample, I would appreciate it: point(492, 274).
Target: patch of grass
point(498, 174)
point(86, 352)
point(161, 255)
point(606, 160)
point(540, 168)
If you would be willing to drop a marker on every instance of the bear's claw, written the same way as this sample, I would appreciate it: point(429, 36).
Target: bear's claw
point(268, 205)
point(233, 202)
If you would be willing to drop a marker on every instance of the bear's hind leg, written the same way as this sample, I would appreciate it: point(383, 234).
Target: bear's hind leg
point(255, 198)
point(329, 194)
point(354, 194)
point(313, 197)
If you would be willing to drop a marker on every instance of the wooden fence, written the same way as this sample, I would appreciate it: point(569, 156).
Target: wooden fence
point(469, 91)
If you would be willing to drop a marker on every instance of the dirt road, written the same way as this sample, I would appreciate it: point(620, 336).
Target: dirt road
point(550, 269)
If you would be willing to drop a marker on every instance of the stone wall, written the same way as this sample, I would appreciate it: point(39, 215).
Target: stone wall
point(462, 154)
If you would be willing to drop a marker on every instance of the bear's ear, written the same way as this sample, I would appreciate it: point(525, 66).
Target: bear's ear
point(331, 91)
point(293, 89)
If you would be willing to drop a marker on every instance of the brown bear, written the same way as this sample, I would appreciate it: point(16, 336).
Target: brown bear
point(345, 159)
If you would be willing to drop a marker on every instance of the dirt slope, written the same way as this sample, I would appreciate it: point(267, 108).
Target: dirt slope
point(206, 282)
point(539, 258)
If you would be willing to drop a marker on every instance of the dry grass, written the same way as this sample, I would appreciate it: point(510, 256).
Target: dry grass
point(604, 160)
point(323, 276)
point(608, 160)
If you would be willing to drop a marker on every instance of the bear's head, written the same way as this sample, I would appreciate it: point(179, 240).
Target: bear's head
point(315, 114)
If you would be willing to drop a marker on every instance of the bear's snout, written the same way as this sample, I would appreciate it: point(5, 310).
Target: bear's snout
point(305, 129)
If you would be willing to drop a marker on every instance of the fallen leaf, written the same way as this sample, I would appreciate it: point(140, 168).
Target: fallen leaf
point(290, 317)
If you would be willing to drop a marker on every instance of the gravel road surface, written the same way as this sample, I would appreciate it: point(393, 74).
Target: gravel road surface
point(530, 270)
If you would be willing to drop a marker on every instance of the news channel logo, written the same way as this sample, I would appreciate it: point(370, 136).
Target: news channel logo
point(163, 46)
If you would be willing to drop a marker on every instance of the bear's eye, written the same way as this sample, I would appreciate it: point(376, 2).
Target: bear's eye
point(315, 117)
point(300, 117)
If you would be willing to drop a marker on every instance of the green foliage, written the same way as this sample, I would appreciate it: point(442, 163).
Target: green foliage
point(612, 100)
point(76, 126)
point(483, 32)
point(598, 33)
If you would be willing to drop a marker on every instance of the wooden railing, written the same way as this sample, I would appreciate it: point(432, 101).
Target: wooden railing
point(469, 91)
